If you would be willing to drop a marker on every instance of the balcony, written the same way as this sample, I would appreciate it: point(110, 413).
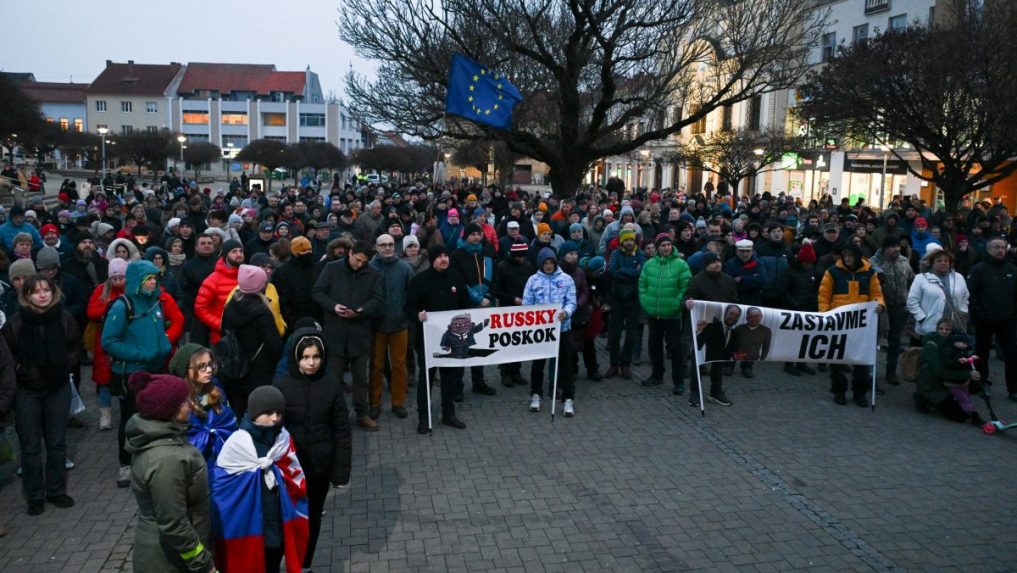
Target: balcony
point(875, 6)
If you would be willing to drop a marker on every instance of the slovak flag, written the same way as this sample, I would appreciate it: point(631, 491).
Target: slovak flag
point(236, 503)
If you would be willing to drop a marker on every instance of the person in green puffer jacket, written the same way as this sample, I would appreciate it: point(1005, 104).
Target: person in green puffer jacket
point(662, 286)
point(169, 480)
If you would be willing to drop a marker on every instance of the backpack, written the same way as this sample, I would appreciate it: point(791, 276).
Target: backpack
point(911, 363)
point(231, 358)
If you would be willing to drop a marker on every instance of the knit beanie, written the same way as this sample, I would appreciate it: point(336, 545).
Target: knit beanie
point(626, 234)
point(519, 248)
point(575, 227)
point(251, 279)
point(807, 254)
point(300, 246)
point(596, 264)
point(263, 400)
point(21, 268)
point(182, 357)
point(262, 259)
point(117, 268)
point(48, 258)
point(453, 213)
point(229, 245)
point(410, 240)
point(473, 228)
point(543, 228)
point(663, 238)
point(567, 247)
point(710, 257)
point(158, 396)
point(434, 251)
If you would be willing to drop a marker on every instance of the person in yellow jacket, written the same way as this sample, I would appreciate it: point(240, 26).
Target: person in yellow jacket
point(265, 262)
point(851, 280)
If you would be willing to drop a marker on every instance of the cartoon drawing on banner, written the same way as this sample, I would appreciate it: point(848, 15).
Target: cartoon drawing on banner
point(458, 340)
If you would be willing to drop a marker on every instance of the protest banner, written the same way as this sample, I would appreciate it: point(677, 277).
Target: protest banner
point(726, 332)
point(483, 336)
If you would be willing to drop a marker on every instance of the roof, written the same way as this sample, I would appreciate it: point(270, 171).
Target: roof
point(394, 139)
point(19, 77)
point(134, 79)
point(261, 79)
point(55, 92)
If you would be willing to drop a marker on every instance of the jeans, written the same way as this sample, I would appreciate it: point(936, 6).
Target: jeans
point(624, 318)
point(1004, 333)
point(394, 344)
point(667, 331)
point(357, 365)
point(42, 417)
point(566, 376)
point(105, 398)
point(451, 386)
point(898, 319)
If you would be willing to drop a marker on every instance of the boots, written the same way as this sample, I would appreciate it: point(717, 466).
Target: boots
point(517, 377)
point(791, 369)
point(507, 381)
point(611, 372)
point(105, 419)
point(626, 374)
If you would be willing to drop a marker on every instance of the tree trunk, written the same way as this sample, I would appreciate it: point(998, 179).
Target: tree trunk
point(566, 179)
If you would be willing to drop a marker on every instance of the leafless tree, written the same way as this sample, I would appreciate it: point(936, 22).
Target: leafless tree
point(735, 155)
point(599, 77)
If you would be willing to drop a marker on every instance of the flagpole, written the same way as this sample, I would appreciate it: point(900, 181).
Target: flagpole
point(695, 359)
point(427, 380)
point(874, 380)
point(554, 385)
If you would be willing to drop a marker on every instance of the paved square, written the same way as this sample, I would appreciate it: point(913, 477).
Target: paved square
point(637, 481)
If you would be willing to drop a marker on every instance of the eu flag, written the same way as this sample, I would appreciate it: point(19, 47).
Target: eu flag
point(479, 94)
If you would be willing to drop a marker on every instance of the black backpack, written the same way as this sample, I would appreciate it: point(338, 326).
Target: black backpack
point(231, 358)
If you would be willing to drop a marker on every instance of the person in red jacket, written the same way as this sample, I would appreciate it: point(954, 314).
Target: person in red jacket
point(216, 289)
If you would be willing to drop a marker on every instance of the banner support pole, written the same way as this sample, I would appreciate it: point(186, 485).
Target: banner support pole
point(695, 360)
point(427, 380)
point(557, 354)
point(874, 380)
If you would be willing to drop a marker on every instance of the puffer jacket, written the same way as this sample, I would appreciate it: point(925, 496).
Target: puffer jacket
point(212, 297)
point(556, 288)
point(897, 279)
point(624, 270)
point(751, 276)
point(140, 343)
point(170, 483)
point(841, 286)
point(662, 286)
point(927, 299)
point(97, 313)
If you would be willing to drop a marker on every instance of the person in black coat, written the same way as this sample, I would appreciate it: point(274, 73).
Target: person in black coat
point(293, 281)
point(194, 272)
point(510, 276)
point(318, 421)
point(249, 316)
point(436, 289)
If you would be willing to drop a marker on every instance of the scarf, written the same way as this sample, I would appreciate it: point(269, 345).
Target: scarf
point(176, 260)
point(43, 344)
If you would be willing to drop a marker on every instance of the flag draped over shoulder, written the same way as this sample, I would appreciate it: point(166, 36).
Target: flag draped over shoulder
point(479, 94)
point(236, 503)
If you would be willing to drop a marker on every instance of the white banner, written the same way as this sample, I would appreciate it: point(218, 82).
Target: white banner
point(482, 336)
point(845, 335)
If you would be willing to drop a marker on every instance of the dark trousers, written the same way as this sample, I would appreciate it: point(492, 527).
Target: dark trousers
point(667, 331)
point(477, 376)
point(566, 376)
point(716, 378)
point(42, 417)
point(624, 318)
point(317, 491)
point(273, 559)
point(861, 380)
point(1004, 333)
point(586, 344)
point(451, 386)
point(127, 409)
point(357, 365)
point(898, 319)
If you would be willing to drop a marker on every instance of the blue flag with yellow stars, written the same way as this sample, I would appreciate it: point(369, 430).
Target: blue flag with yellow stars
point(479, 94)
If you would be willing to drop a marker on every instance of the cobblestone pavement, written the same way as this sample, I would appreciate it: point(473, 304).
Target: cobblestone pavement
point(636, 481)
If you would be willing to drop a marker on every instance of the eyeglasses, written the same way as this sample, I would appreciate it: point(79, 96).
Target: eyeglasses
point(205, 366)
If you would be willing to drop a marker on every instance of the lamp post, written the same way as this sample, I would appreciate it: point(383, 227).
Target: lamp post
point(181, 139)
point(882, 181)
point(102, 133)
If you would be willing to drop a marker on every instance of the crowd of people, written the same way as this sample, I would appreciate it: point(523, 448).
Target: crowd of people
point(224, 322)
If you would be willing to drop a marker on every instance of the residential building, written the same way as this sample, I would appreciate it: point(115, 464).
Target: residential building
point(60, 103)
point(130, 98)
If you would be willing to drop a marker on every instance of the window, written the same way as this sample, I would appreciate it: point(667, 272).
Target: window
point(100, 105)
point(860, 33)
point(700, 125)
point(343, 121)
point(829, 46)
point(932, 15)
point(312, 139)
point(234, 118)
point(79, 125)
point(312, 120)
point(273, 119)
point(152, 129)
point(50, 120)
point(196, 117)
point(65, 124)
point(898, 23)
point(873, 6)
point(126, 129)
point(126, 107)
point(275, 137)
point(755, 112)
point(725, 118)
point(238, 141)
point(152, 107)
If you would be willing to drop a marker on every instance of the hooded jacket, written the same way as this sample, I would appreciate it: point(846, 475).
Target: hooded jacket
point(750, 275)
point(662, 286)
point(170, 483)
point(555, 288)
point(141, 342)
point(842, 286)
point(212, 297)
point(293, 281)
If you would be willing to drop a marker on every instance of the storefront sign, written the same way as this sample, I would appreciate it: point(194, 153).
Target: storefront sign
point(893, 166)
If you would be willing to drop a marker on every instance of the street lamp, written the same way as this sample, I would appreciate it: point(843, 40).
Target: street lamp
point(882, 181)
point(181, 139)
point(102, 132)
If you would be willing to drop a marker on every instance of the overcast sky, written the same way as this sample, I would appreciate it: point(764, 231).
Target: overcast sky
point(62, 39)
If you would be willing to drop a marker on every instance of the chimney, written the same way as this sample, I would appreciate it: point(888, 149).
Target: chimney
point(130, 62)
point(109, 62)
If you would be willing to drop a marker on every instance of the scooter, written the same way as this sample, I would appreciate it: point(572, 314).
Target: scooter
point(995, 424)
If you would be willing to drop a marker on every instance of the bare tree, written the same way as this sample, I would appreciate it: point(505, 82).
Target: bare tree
point(735, 155)
point(599, 77)
point(946, 90)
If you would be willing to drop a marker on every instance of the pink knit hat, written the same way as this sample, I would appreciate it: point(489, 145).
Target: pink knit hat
point(117, 268)
point(453, 213)
point(251, 279)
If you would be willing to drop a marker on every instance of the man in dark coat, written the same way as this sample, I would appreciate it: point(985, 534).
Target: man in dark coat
point(713, 285)
point(194, 272)
point(350, 294)
point(293, 280)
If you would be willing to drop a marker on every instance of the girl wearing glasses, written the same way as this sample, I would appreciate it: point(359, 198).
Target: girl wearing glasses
point(212, 420)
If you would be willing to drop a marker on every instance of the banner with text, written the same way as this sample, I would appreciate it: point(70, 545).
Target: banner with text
point(482, 336)
point(846, 335)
